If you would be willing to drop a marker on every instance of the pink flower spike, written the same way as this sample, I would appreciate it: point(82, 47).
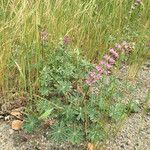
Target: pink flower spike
point(118, 46)
point(107, 72)
point(98, 68)
point(114, 53)
point(98, 77)
point(111, 61)
point(106, 57)
point(112, 50)
point(88, 82)
point(92, 74)
point(66, 40)
point(108, 66)
point(101, 72)
point(102, 62)
point(93, 81)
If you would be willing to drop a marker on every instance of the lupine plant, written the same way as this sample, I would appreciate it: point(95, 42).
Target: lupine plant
point(78, 113)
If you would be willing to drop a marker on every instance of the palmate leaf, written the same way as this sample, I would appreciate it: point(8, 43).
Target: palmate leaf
point(63, 86)
point(42, 105)
point(134, 107)
point(69, 113)
point(103, 104)
point(117, 111)
point(75, 135)
point(80, 114)
point(31, 123)
point(93, 113)
point(96, 133)
point(46, 114)
point(58, 132)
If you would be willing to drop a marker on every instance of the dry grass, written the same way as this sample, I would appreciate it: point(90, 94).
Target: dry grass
point(92, 25)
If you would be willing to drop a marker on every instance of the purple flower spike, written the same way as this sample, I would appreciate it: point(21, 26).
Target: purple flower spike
point(108, 61)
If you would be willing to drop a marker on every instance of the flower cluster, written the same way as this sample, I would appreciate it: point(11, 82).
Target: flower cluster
point(108, 61)
point(135, 4)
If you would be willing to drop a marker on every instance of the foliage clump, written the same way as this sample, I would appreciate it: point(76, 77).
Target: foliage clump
point(80, 112)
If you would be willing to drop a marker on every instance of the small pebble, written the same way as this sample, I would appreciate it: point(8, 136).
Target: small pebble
point(11, 131)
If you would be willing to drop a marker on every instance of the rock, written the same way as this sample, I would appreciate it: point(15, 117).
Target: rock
point(16, 124)
point(7, 118)
point(11, 131)
point(16, 114)
point(90, 146)
point(2, 113)
point(1, 117)
point(20, 109)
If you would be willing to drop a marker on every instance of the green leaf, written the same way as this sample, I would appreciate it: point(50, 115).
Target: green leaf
point(102, 104)
point(31, 123)
point(80, 114)
point(69, 113)
point(96, 133)
point(46, 114)
point(134, 107)
point(58, 132)
point(117, 111)
point(75, 135)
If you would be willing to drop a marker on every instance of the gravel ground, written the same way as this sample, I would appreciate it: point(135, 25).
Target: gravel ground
point(134, 133)
point(6, 138)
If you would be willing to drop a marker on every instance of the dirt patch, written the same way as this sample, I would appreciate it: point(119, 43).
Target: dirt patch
point(6, 137)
